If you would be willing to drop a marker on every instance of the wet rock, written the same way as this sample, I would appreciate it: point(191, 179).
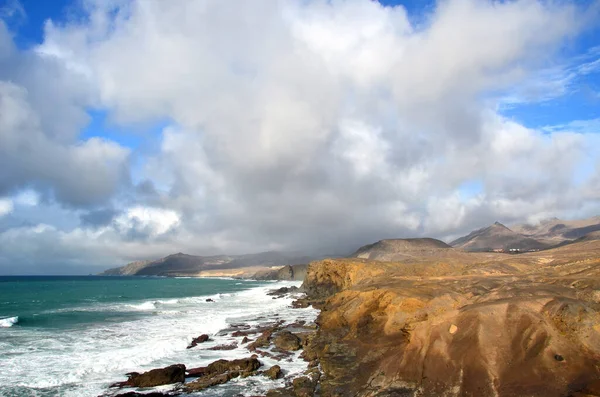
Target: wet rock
point(224, 347)
point(282, 291)
point(281, 392)
point(237, 334)
point(300, 304)
point(285, 340)
point(201, 339)
point(156, 377)
point(209, 300)
point(264, 340)
point(151, 394)
point(304, 386)
point(273, 373)
point(245, 340)
point(196, 372)
point(208, 381)
point(221, 371)
point(242, 364)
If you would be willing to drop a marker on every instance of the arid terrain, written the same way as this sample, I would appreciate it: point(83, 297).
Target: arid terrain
point(459, 324)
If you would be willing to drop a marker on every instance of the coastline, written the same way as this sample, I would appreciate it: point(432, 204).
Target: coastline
point(263, 337)
point(397, 329)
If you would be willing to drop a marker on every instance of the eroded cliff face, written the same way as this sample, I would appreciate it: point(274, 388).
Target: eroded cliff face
point(502, 326)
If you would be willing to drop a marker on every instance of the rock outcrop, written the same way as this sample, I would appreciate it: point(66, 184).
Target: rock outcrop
point(285, 340)
point(494, 325)
point(201, 339)
point(156, 377)
point(222, 371)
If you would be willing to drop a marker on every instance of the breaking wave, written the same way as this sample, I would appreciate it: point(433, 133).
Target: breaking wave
point(8, 322)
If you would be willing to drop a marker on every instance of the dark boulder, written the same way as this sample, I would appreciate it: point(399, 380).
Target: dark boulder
point(156, 377)
point(209, 381)
point(273, 373)
point(242, 364)
point(282, 291)
point(201, 339)
point(224, 347)
point(222, 371)
point(285, 340)
point(151, 394)
point(196, 372)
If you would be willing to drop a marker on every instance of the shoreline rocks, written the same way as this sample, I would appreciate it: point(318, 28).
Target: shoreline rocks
point(201, 339)
point(275, 340)
point(222, 371)
point(155, 377)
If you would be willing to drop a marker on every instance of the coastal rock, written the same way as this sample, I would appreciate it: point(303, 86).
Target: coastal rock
point(201, 339)
point(156, 377)
point(488, 325)
point(151, 394)
point(285, 340)
point(209, 381)
point(196, 372)
point(209, 300)
point(273, 373)
point(222, 371)
point(300, 303)
point(304, 386)
point(282, 291)
point(264, 340)
point(224, 347)
point(242, 364)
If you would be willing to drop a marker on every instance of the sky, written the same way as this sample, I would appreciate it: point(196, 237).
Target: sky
point(133, 129)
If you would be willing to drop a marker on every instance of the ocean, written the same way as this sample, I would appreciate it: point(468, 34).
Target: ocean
point(76, 335)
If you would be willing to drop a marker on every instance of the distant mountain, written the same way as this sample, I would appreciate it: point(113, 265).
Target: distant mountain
point(497, 237)
point(554, 231)
point(191, 265)
point(401, 249)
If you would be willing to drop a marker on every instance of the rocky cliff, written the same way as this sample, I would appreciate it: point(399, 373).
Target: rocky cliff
point(492, 325)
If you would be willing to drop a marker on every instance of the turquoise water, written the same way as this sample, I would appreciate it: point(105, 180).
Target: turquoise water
point(74, 336)
point(75, 301)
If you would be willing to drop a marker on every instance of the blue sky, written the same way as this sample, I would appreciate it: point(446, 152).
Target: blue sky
point(129, 134)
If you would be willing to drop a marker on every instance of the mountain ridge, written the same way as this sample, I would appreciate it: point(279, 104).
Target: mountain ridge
point(181, 264)
point(545, 234)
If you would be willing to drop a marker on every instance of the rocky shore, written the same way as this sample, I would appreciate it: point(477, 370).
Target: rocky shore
point(264, 339)
point(478, 325)
point(492, 326)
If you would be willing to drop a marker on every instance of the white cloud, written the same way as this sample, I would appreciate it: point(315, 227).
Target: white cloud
point(303, 124)
point(152, 222)
point(6, 207)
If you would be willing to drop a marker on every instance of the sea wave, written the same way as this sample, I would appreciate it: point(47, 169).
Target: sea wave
point(151, 305)
point(8, 322)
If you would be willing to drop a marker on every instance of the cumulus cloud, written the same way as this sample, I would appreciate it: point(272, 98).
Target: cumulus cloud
point(42, 111)
point(317, 125)
point(6, 206)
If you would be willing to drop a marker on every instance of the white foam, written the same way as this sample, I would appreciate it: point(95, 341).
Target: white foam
point(83, 362)
point(8, 322)
point(150, 305)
